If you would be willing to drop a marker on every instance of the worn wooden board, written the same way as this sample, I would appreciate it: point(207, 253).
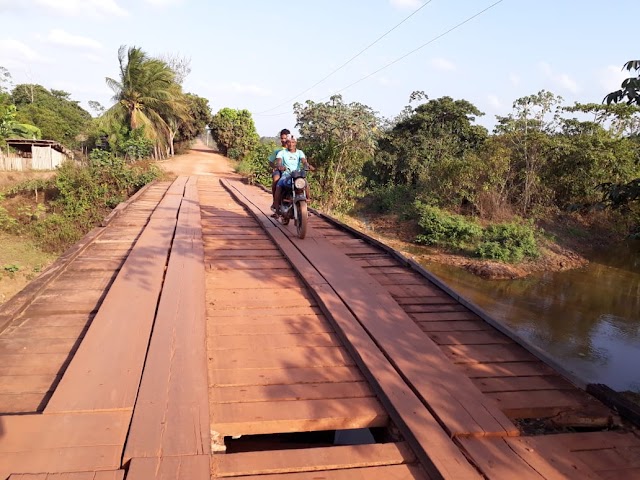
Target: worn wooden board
point(391, 472)
point(170, 468)
point(282, 376)
point(290, 392)
point(172, 412)
point(63, 443)
point(301, 416)
point(105, 371)
point(310, 460)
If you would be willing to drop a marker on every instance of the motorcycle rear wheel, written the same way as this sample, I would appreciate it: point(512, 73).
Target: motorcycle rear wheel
point(303, 218)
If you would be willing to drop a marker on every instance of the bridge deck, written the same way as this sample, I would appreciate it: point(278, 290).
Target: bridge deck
point(194, 337)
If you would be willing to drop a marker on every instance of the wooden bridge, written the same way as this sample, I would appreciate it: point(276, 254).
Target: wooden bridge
point(193, 337)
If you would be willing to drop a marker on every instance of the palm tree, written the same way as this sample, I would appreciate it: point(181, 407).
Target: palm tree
point(146, 95)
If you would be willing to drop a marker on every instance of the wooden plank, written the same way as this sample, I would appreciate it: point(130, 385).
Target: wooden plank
point(74, 442)
point(170, 468)
point(453, 326)
point(282, 358)
point(310, 460)
point(23, 402)
point(33, 346)
point(261, 312)
point(488, 337)
point(171, 410)
point(14, 384)
point(282, 393)
point(246, 298)
point(497, 461)
point(231, 342)
point(252, 279)
point(247, 317)
point(40, 364)
point(487, 353)
point(282, 376)
point(102, 475)
point(37, 330)
point(74, 459)
point(440, 316)
point(410, 291)
point(121, 329)
point(506, 369)
point(313, 325)
point(512, 384)
point(230, 419)
point(215, 253)
point(247, 264)
point(391, 472)
point(537, 403)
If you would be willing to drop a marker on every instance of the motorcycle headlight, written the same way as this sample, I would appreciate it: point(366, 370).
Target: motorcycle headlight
point(299, 183)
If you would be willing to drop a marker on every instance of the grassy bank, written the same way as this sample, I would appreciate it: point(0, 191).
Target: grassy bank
point(20, 262)
point(43, 214)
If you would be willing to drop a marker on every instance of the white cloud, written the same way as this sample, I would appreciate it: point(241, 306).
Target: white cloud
point(15, 53)
point(75, 8)
point(442, 64)
point(561, 80)
point(495, 102)
point(406, 4)
point(60, 37)
point(93, 58)
point(515, 79)
point(610, 77)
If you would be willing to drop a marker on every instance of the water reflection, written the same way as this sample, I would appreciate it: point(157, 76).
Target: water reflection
point(589, 319)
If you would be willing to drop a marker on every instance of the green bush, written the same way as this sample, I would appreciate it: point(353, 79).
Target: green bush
point(444, 229)
point(255, 164)
point(392, 198)
point(508, 242)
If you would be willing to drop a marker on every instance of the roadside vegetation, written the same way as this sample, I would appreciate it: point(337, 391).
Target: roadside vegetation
point(114, 151)
point(550, 180)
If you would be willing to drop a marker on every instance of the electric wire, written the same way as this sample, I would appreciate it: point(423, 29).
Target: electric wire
point(455, 27)
point(348, 61)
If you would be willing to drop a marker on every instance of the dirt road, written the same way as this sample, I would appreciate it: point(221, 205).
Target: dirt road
point(201, 160)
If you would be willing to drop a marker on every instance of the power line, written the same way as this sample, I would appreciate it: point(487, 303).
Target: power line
point(455, 27)
point(416, 49)
point(348, 61)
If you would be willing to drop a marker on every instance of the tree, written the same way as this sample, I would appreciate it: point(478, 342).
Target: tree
point(427, 149)
point(339, 138)
point(234, 132)
point(146, 95)
point(630, 88)
point(534, 119)
point(52, 111)
point(197, 118)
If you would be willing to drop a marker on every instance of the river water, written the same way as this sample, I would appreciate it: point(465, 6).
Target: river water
point(588, 319)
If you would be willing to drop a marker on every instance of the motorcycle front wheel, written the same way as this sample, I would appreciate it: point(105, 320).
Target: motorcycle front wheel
point(303, 218)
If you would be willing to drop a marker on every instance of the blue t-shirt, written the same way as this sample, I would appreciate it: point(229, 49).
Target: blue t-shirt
point(274, 154)
point(291, 160)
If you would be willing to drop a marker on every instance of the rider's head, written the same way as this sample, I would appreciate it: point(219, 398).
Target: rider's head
point(284, 135)
point(291, 143)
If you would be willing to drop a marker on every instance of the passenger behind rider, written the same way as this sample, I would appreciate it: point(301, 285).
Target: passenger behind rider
point(275, 173)
point(286, 162)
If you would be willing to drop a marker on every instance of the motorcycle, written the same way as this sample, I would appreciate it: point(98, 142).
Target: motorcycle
point(294, 202)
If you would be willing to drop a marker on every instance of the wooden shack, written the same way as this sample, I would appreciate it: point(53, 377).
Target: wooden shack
point(34, 155)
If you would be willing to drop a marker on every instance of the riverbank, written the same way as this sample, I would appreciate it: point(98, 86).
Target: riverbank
point(566, 244)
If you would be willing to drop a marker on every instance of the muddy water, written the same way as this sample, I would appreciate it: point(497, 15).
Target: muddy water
point(588, 319)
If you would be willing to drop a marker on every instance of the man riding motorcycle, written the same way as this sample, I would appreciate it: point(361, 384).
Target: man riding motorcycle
point(288, 161)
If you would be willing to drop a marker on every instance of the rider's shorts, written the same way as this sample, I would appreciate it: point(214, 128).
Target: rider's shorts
point(285, 180)
point(276, 173)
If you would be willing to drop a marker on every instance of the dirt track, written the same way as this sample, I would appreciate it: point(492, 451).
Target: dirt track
point(201, 160)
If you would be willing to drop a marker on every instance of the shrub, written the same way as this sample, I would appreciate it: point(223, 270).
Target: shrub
point(392, 198)
point(508, 242)
point(444, 229)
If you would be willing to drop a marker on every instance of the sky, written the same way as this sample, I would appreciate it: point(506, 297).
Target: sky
point(260, 54)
